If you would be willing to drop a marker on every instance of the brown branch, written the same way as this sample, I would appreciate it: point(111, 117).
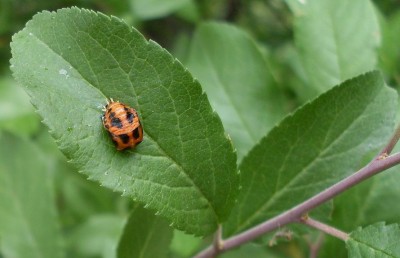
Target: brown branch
point(292, 215)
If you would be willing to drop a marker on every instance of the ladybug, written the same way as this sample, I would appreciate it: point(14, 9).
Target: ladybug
point(123, 124)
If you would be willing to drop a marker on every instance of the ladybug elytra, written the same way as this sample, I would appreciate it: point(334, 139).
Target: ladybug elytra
point(123, 124)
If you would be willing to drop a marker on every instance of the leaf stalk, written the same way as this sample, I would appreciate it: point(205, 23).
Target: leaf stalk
point(306, 220)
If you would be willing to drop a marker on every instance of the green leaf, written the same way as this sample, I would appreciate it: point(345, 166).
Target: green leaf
point(334, 44)
point(150, 9)
point(378, 240)
point(318, 145)
point(332, 245)
point(389, 52)
point(98, 237)
point(28, 220)
point(184, 245)
point(82, 198)
point(5, 13)
point(145, 235)
point(17, 114)
point(185, 168)
point(235, 75)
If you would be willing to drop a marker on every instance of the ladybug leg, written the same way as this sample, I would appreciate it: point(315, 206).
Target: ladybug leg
point(106, 105)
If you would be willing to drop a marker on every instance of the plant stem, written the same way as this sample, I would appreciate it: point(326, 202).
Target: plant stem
point(392, 142)
point(218, 243)
point(314, 247)
point(323, 227)
point(292, 215)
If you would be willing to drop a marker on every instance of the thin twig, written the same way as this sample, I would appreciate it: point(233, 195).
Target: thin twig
point(390, 146)
point(218, 243)
point(323, 227)
point(284, 233)
point(376, 166)
point(314, 247)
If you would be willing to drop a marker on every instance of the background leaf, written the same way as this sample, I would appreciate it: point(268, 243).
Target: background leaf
point(378, 240)
point(28, 219)
point(184, 245)
point(82, 199)
point(389, 52)
point(145, 235)
point(148, 9)
point(72, 60)
point(234, 73)
point(333, 43)
point(97, 237)
point(17, 114)
point(313, 148)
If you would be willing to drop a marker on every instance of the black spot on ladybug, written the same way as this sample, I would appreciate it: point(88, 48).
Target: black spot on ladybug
point(111, 115)
point(130, 116)
point(116, 122)
point(135, 133)
point(124, 138)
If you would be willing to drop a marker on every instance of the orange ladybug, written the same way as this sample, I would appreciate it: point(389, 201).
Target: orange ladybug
point(123, 124)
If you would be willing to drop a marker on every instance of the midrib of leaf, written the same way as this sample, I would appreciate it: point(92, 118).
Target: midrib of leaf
point(337, 55)
point(147, 240)
point(277, 185)
point(23, 217)
point(233, 103)
point(83, 52)
point(181, 171)
point(189, 179)
point(152, 139)
point(285, 187)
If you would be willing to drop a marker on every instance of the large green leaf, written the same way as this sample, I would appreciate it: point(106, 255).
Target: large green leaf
point(315, 147)
point(336, 40)
point(185, 168)
point(378, 240)
point(234, 73)
point(145, 235)
point(28, 219)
